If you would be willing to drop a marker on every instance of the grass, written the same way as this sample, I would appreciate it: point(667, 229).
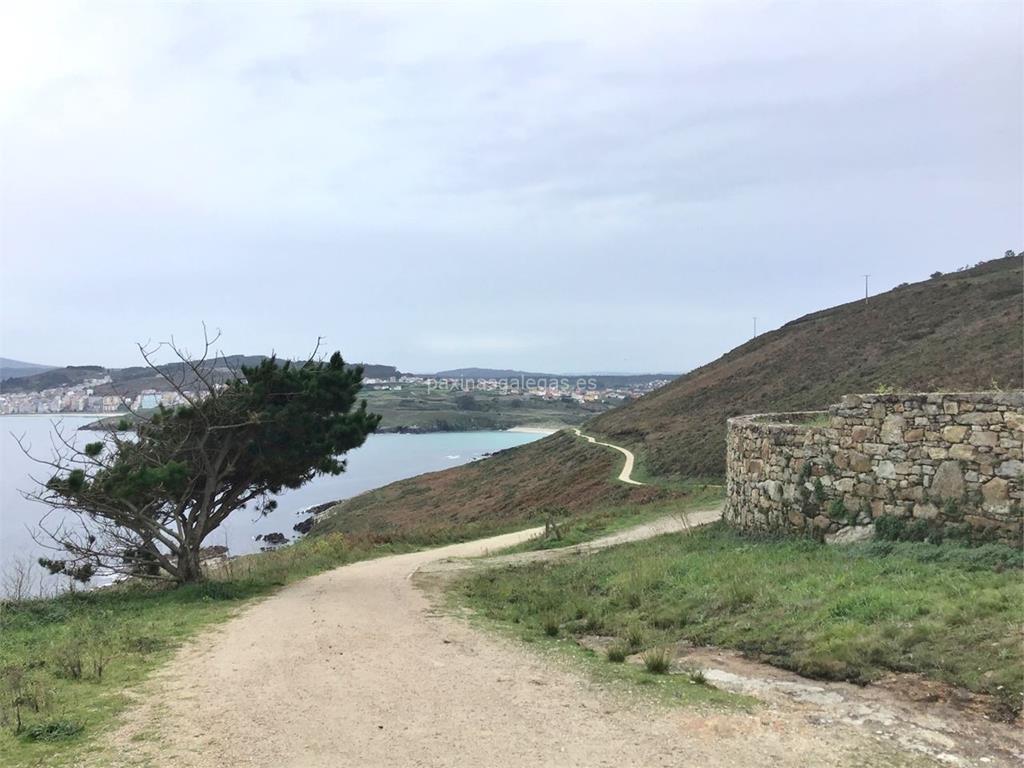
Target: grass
point(856, 613)
point(73, 658)
point(414, 407)
point(657, 661)
point(605, 520)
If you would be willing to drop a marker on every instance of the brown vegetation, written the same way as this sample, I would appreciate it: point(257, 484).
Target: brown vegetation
point(954, 332)
point(511, 487)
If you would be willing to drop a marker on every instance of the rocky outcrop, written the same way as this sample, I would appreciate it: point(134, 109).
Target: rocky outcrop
point(951, 459)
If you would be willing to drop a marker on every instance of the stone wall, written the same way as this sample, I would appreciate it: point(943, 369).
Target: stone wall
point(951, 459)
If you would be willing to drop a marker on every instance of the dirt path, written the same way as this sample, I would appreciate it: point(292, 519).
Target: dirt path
point(626, 475)
point(355, 667)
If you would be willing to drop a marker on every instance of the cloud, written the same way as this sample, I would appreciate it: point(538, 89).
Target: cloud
point(462, 161)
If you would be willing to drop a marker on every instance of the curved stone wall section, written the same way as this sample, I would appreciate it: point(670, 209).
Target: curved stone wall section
point(948, 458)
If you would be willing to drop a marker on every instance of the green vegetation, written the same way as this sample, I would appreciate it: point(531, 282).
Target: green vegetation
point(143, 507)
point(855, 613)
point(606, 520)
point(657, 661)
point(415, 408)
point(66, 664)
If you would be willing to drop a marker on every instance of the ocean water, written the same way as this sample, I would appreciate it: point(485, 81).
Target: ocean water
point(382, 460)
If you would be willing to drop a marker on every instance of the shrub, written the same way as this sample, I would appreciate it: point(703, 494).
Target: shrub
point(697, 677)
point(616, 653)
point(551, 626)
point(635, 638)
point(21, 690)
point(918, 530)
point(657, 661)
point(67, 658)
point(889, 528)
point(819, 491)
point(53, 731)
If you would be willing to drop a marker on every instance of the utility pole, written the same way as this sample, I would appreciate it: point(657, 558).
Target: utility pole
point(755, 325)
point(866, 288)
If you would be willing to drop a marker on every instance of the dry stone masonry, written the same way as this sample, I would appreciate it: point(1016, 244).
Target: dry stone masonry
point(954, 460)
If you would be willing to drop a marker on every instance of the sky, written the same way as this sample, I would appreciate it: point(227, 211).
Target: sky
point(561, 187)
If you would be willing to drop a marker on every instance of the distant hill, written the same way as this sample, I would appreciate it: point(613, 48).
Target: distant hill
point(960, 331)
point(13, 369)
point(54, 377)
point(132, 380)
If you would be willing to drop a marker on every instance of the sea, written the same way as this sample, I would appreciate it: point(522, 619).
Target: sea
point(381, 460)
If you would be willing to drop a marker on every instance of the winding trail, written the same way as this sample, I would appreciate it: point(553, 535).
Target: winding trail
point(358, 667)
point(626, 475)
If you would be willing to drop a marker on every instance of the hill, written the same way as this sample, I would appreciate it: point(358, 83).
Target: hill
point(511, 487)
point(130, 381)
point(960, 331)
point(54, 377)
point(13, 369)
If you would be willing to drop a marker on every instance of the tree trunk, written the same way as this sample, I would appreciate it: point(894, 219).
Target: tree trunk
point(189, 569)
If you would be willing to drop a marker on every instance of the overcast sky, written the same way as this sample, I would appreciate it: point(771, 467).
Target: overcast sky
point(552, 187)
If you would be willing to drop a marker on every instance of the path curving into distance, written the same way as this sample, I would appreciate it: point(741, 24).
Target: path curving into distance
point(626, 475)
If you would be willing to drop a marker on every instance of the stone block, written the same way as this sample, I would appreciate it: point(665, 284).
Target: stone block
point(858, 462)
point(984, 437)
point(1011, 469)
point(892, 429)
point(863, 433)
point(954, 434)
point(962, 452)
point(979, 417)
point(948, 482)
point(886, 470)
point(925, 511)
point(996, 493)
point(951, 407)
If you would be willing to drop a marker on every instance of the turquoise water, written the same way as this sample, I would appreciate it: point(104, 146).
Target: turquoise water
point(382, 460)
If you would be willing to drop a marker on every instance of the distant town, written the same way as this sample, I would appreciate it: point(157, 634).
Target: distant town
point(86, 397)
point(81, 398)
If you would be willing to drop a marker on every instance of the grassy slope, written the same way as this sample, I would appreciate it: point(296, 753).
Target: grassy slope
point(851, 613)
point(512, 487)
point(957, 332)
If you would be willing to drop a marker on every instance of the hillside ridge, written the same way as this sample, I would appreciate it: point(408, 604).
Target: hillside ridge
point(960, 331)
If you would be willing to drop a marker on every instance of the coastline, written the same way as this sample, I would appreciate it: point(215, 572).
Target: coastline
point(533, 430)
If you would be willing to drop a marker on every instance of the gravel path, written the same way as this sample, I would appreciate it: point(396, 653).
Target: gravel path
point(626, 475)
point(356, 667)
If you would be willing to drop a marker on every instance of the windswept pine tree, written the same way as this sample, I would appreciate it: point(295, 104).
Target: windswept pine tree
point(143, 504)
